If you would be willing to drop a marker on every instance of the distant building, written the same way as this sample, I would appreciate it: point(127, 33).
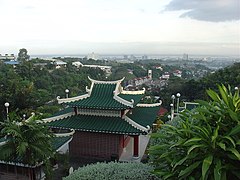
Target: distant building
point(185, 56)
point(144, 57)
point(165, 76)
point(59, 64)
point(7, 57)
point(132, 57)
point(159, 67)
point(12, 62)
point(93, 56)
point(177, 73)
point(125, 61)
point(150, 74)
point(125, 57)
point(130, 71)
point(106, 69)
point(141, 80)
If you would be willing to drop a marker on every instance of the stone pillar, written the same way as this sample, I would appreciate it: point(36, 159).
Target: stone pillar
point(136, 146)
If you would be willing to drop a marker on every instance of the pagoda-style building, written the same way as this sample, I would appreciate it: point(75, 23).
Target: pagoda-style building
point(104, 120)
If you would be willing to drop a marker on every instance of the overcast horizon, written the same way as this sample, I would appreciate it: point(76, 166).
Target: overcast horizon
point(197, 27)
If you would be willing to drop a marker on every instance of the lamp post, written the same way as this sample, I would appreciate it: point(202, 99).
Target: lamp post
point(67, 91)
point(178, 96)
point(7, 105)
point(172, 111)
point(173, 99)
point(24, 116)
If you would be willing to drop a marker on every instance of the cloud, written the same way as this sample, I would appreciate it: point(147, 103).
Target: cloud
point(207, 10)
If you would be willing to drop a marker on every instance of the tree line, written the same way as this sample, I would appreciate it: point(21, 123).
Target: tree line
point(29, 87)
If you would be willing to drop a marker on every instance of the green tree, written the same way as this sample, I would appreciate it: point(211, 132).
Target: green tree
point(28, 141)
point(203, 143)
point(23, 55)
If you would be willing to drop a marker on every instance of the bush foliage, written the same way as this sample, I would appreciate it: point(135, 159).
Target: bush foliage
point(204, 143)
point(113, 170)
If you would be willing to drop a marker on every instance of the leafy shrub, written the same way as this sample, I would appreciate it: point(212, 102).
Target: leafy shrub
point(204, 144)
point(113, 171)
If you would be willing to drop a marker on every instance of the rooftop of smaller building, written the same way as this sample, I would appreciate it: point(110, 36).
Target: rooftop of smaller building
point(57, 143)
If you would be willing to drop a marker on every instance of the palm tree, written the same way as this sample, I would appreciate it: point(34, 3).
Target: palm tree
point(27, 141)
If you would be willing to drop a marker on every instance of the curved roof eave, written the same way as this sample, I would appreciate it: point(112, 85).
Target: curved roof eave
point(105, 82)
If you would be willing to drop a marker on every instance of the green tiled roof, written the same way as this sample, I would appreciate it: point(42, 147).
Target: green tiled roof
point(101, 98)
point(144, 115)
point(129, 97)
point(56, 143)
point(59, 141)
point(102, 124)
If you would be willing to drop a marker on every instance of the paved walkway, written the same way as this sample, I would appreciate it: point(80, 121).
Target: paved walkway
point(127, 154)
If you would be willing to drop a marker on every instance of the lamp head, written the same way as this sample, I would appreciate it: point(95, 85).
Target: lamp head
point(6, 104)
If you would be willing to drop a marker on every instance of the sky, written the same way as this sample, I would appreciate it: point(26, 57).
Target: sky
point(204, 27)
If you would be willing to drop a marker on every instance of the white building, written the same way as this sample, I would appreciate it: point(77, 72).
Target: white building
point(106, 69)
point(7, 57)
point(93, 56)
point(177, 73)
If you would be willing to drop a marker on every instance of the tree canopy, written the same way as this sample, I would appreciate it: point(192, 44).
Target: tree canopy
point(27, 141)
point(202, 143)
point(23, 55)
point(33, 88)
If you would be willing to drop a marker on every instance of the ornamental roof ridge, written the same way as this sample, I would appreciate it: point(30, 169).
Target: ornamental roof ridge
point(133, 92)
point(72, 99)
point(56, 118)
point(105, 82)
point(136, 125)
point(124, 101)
point(72, 131)
point(150, 105)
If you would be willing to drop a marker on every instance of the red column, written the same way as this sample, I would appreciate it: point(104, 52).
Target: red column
point(136, 146)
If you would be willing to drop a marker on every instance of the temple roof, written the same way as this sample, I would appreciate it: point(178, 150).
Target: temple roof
point(105, 95)
point(115, 125)
point(98, 110)
point(57, 143)
point(135, 122)
point(60, 141)
point(145, 116)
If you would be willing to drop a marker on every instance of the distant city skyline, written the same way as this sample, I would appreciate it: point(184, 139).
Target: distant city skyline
point(203, 27)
